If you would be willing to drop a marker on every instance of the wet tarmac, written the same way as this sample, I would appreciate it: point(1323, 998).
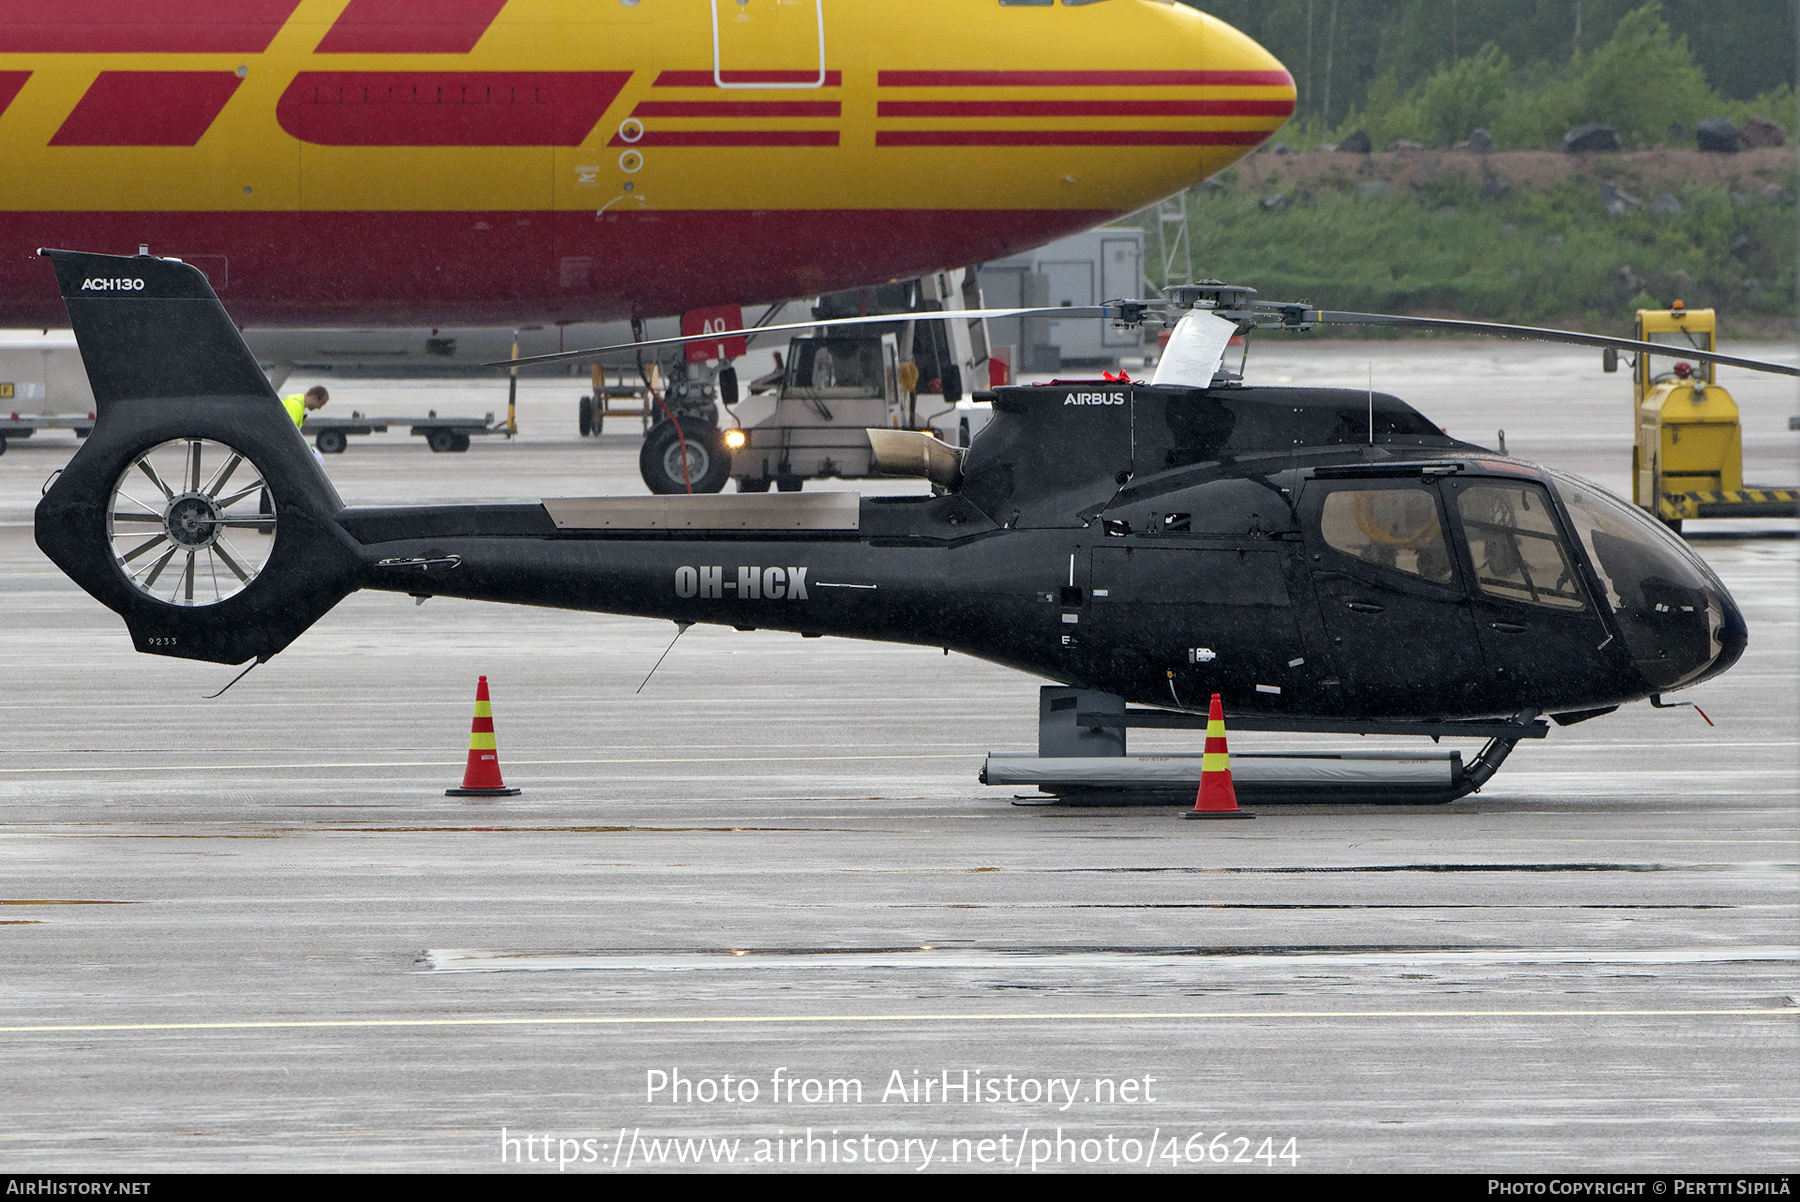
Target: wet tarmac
point(253, 934)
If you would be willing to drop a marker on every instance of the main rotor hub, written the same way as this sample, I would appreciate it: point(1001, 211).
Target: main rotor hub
point(1210, 294)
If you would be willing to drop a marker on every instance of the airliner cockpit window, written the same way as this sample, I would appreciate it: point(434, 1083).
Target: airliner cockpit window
point(1395, 527)
point(1517, 551)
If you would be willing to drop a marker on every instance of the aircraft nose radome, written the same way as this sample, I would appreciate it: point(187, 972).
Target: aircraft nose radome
point(1246, 94)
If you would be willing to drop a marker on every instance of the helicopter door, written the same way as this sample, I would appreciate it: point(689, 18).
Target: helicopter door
point(1391, 596)
point(1536, 622)
point(1199, 620)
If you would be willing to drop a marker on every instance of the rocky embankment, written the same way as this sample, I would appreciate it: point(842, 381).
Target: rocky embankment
point(1641, 173)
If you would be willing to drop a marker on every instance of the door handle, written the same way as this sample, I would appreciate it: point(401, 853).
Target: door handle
point(1507, 627)
point(1363, 607)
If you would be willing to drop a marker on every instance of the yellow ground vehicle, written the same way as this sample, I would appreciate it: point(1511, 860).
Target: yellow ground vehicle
point(1687, 460)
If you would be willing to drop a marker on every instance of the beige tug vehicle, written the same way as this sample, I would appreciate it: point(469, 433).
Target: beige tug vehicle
point(1687, 460)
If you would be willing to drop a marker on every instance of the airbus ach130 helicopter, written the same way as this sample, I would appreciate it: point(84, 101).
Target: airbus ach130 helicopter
point(1327, 559)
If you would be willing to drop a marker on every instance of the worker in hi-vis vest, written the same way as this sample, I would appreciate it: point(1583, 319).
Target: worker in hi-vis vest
point(300, 404)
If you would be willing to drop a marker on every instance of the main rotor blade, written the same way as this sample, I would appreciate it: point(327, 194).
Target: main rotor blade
point(1539, 334)
point(872, 319)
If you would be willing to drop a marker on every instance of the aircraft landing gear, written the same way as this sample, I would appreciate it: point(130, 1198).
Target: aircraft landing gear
point(708, 459)
point(1081, 758)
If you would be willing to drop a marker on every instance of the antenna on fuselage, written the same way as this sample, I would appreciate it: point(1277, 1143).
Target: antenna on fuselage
point(681, 628)
point(1371, 402)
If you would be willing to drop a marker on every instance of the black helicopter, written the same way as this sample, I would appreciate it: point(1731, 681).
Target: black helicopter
point(1323, 558)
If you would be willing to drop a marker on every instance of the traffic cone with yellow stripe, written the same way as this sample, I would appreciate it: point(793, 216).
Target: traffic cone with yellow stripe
point(1217, 797)
point(482, 776)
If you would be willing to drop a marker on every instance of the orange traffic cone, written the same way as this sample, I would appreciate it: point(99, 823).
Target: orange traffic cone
point(1217, 798)
point(482, 777)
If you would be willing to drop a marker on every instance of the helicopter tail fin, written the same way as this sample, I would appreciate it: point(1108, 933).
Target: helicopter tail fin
point(194, 509)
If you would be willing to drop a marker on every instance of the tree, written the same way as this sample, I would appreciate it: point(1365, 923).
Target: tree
point(1642, 81)
point(1471, 93)
point(1746, 47)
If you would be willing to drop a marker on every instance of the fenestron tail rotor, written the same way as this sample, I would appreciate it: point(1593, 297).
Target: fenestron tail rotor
point(190, 522)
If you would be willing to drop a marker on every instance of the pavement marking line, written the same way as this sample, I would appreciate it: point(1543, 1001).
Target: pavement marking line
point(974, 749)
point(1629, 839)
point(461, 960)
point(709, 759)
point(1588, 747)
point(847, 1019)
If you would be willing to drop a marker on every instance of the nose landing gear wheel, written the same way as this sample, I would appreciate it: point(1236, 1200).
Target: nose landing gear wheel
point(708, 463)
point(179, 518)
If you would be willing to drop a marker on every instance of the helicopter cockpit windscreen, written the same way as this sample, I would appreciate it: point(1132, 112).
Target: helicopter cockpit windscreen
point(1670, 606)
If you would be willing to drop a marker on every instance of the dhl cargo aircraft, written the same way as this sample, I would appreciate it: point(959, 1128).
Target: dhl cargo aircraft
point(502, 162)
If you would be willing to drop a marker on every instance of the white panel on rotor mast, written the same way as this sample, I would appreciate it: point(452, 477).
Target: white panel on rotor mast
point(1195, 350)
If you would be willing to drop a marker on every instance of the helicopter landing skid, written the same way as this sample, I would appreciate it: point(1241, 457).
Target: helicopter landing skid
point(1082, 760)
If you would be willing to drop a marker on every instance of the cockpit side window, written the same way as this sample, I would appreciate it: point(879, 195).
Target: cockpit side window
point(1394, 527)
point(1518, 554)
